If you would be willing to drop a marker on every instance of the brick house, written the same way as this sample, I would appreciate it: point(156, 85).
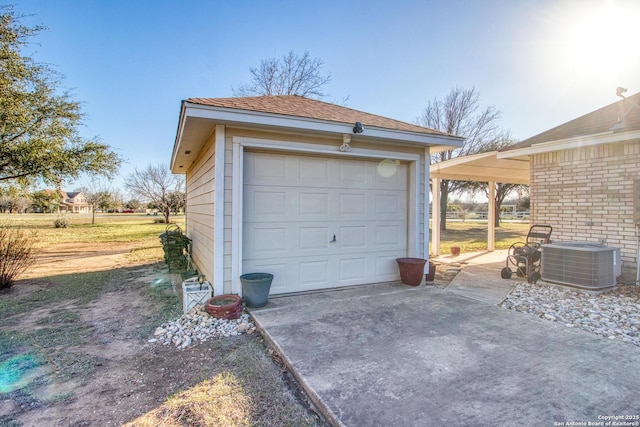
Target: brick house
point(585, 178)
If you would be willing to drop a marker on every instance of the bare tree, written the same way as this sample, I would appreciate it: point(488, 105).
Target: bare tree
point(98, 196)
point(292, 74)
point(156, 184)
point(21, 203)
point(460, 114)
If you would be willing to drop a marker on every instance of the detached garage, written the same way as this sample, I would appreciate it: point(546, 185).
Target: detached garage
point(319, 195)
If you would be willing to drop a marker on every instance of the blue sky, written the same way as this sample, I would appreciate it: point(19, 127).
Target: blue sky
point(131, 62)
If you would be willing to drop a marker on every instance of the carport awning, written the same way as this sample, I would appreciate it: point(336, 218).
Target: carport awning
point(483, 167)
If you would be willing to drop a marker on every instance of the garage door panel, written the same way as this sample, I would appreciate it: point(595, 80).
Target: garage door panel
point(352, 236)
point(385, 267)
point(265, 169)
point(394, 179)
point(314, 274)
point(314, 172)
point(352, 269)
point(389, 205)
point(352, 204)
point(393, 236)
point(263, 202)
point(313, 238)
point(352, 174)
point(311, 204)
point(308, 203)
point(267, 241)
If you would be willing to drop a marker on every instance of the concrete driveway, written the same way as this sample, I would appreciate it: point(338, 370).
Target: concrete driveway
point(394, 355)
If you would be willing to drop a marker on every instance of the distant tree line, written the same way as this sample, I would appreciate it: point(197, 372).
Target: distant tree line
point(15, 199)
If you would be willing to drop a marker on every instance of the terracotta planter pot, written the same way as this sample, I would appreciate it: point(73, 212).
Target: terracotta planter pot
point(225, 306)
point(455, 250)
point(411, 270)
point(431, 275)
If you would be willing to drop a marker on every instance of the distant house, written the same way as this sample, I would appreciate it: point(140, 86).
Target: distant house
point(585, 178)
point(73, 202)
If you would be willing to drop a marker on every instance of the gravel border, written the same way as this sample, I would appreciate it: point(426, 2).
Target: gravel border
point(198, 325)
point(614, 314)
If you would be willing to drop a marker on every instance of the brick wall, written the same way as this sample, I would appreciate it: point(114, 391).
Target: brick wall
point(587, 194)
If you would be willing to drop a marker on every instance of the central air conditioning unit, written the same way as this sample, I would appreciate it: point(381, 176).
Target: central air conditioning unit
point(584, 265)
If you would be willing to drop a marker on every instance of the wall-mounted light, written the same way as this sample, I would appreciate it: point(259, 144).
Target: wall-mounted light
point(358, 128)
point(346, 139)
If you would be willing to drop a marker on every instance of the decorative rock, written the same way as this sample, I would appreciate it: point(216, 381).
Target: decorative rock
point(198, 325)
point(613, 315)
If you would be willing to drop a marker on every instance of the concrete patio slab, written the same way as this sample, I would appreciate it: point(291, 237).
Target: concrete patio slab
point(403, 356)
point(480, 278)
point(482, 282)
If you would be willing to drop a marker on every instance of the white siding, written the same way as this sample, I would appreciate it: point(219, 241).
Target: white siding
point(200, 209)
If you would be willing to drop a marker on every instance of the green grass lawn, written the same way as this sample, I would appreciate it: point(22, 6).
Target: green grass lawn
point(471, 236)
point(107, 227)
point(48, 342)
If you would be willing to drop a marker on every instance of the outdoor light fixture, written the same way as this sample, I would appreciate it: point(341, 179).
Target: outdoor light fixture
point(358, 128)
point(346, 139)
point(201, 278)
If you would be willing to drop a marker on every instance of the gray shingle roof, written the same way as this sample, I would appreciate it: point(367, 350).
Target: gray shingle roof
point(596, 122)
point(297, 106)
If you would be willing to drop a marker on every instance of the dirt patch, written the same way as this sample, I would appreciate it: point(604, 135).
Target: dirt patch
point(445, 273)
point(69, 258)
point(99, 368)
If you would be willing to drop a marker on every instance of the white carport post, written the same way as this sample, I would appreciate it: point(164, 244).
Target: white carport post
point(491, 217)
point(435, 216)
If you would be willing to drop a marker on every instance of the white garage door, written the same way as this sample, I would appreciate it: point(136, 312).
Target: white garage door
point(317, 222)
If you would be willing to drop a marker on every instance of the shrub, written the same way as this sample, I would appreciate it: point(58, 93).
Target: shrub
point(16, 254)
point(60, 222)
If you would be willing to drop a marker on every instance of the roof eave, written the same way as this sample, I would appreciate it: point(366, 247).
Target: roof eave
point(179, 132)
point(570, 143)
point(254, 118)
